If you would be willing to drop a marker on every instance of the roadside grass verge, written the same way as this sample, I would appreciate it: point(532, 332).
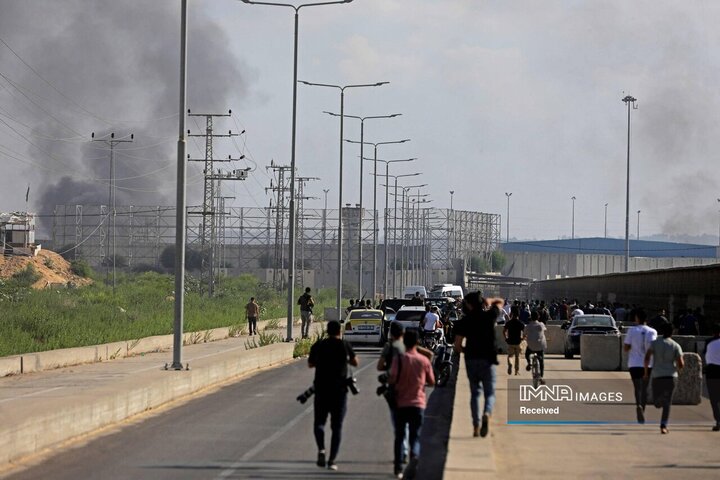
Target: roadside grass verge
point(142, 306)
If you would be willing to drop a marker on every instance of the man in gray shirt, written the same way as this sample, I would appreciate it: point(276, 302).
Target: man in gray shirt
point(536, 341)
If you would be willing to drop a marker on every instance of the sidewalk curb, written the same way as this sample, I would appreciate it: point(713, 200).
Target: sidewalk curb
point(468, 457)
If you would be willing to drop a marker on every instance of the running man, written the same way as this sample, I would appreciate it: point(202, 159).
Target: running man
point(637, 343)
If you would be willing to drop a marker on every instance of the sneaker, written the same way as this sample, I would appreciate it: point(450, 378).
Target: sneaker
point(476, 431)
point(528, 367)
point(716, 428)
point(509, 369)
point(640, 414)
point(484, 427)
point(517, 372)
point(663, 429)
point(321, 459)
point(332, 466)
point(398, 472)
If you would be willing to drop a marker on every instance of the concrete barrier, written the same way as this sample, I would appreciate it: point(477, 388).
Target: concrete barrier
point(555, 339)
point(130, 396)
point(65, 357)
point(500, 339)
point(600, 352)
point(688, 390)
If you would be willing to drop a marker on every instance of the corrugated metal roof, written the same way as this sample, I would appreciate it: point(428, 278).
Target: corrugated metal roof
point(614, 246)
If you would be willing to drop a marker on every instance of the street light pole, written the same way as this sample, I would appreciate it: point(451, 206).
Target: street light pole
point(360, 206)
point(573, 217)
point(629, 100)
point(338, 299)
point(606, 205)
point(638, 226)
point(292, 231)
point(507, 221)
point(180, 213)
point(452, 192)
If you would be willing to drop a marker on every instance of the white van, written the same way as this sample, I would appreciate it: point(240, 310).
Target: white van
point(446, 290)
point(411, 290)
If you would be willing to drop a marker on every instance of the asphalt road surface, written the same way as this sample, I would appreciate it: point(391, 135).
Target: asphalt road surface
point(250, 429)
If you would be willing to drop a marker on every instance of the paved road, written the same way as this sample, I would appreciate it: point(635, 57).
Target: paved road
point(250, 429)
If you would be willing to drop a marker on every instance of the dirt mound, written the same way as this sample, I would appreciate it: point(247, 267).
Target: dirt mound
point(52, 268)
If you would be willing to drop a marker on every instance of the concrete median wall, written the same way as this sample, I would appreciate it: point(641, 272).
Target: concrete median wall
point(555, 339)
point(600, 352)
point(65, 357)
point(130, 397)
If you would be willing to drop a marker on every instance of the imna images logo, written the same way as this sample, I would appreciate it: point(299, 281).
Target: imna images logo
point(544, 393)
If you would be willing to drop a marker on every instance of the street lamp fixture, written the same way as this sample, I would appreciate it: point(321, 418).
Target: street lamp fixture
point(342, 88)
point(292, 232)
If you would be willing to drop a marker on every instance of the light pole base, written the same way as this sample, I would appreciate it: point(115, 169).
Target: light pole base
point(177, 366)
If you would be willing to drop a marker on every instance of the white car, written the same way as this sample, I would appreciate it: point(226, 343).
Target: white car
point(410, 316)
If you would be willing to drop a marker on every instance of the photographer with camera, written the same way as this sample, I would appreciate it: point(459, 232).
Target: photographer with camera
point(306, 303)
point(393, 349)
point(330, 358)
point(409, 374)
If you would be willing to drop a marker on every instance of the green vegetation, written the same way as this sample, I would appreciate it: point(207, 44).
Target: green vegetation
point(37, 320)
point(26, 277)
point(81, 268)
point(302, 346)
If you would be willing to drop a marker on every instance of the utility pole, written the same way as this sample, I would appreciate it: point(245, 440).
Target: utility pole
point(300, 230)
point(638, 226)
point(573, 217)
point(324, 236)
point(280, 188)
point(208, 229)
point(111, 142)
point(507, 221)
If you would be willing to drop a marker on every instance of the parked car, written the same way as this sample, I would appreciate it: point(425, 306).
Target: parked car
point(587, 325)
point(410, 316)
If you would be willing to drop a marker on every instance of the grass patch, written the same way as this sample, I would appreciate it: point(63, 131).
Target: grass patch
point(143, 306)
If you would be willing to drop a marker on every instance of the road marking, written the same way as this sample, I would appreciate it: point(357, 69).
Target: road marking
point(262, 445)
point(32, 394)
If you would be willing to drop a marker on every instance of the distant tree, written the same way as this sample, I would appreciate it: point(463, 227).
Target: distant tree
point(81, 268)
point(479, 264)
point(498, 260)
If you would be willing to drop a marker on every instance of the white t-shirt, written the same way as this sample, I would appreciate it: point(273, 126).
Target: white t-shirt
point(576, 312)
point(639, 338)
point(712, 354)
point(430, 320)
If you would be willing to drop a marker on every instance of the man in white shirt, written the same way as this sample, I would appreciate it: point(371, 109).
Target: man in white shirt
point(432, 322)
point(712, 359)
point(637, 342)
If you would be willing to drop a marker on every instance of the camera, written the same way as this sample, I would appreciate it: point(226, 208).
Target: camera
point(352, 385)
point(303, 397)
point(383, 388)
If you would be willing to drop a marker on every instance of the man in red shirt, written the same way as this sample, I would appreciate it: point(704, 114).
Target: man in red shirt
point(409, 374)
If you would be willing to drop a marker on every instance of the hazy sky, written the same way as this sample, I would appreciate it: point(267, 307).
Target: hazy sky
point(497, 96)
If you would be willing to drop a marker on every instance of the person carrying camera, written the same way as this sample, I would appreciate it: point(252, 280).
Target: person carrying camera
point(306, 303)
point(409, 374)
point(330, 358)
point(393, 348)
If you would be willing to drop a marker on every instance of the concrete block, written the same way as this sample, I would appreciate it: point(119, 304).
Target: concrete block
point(686, 342)
point(688, 390)
point(64, 357)
point(500, 339)
point(331, 314)
point(555, 339)
point(600, 352)
point(10, 365)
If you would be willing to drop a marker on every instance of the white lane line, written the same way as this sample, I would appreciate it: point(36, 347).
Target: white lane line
point(262, 445)
point(31, 394)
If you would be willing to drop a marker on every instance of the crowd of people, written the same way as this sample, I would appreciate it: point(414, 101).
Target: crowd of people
point(654, 360)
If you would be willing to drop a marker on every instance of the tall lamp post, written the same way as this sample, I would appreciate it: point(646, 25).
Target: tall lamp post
point(573, 217)
point(385, 215)
point(630, 101)
point(404, 220)
point(342, 88)
point(180, 213)
point(452, 192)
point(507, 221)
point(292, 232)
point(395, 200)
point(375, 222)
point(360, 205)
point(638, 226)
point(606, 220)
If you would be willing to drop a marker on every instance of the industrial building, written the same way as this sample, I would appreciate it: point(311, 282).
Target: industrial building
point(551, 259)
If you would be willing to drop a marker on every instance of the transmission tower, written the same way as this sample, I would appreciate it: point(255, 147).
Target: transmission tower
point(300, 198)
point(279, 189)
point(208, 228)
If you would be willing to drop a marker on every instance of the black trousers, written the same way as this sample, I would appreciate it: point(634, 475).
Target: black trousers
point(541, 359)
point(335, 405)
point(641, 385)
point(663, 388)
point(713, 385)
